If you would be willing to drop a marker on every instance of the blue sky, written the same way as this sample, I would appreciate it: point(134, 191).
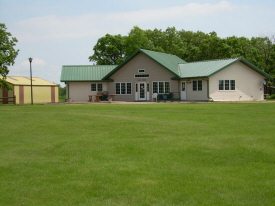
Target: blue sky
point(63, 32)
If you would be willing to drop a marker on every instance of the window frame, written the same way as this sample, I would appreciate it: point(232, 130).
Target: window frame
point(161, 87)
point(141, 71)
point(227, 85)
point(125, 88)
point(96, 87)
point(141, 76)
point(196, 86)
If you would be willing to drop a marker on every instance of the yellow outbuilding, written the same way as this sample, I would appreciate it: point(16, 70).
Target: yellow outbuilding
point(43, 91)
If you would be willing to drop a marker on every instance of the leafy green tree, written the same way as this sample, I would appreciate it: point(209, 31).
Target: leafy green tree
point(109, 50)
point(193, 42)
point(7, 54)
point(156, 38)
point(172, 43)
point(188, 45)
point(264, 53)
point(137, 39)
point(239, 46)
point(62, 93)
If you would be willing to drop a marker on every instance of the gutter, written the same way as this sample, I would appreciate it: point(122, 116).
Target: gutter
point(208, 89)
point(68, 90)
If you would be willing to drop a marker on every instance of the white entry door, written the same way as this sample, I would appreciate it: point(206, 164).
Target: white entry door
point(142, 91)
point(183, 91)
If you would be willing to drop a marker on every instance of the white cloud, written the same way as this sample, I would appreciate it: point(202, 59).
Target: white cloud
point(35, 62)
point(39, 69)
point(54, 40)
point(190, 10)
point(55, 27)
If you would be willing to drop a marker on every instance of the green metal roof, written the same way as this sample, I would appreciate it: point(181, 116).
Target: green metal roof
point(172, 63)
point(168, 61)
point(85, 73)
point(211, 67)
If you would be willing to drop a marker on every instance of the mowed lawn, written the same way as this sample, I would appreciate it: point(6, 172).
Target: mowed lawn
point(151, 154)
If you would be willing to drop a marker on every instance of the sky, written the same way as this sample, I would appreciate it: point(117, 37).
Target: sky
point(64, 32)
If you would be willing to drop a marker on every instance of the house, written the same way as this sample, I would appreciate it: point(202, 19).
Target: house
point(147, 74)
point(43, 91)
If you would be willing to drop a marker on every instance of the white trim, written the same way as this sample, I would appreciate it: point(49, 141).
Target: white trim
point(141, 77)
point(183, 97)
point(125, 88)
point(145, 91)
point(164, 92)
point(141, 71)
point(96, 87)
point(197, 85)
point(228, 90)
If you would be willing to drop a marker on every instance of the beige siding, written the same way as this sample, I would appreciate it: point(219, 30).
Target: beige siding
point(16, 93)
point(196, 95)
point(127, 74)
point(56, 94)
point(249, 84)
point(79, 91)
point(41, 94)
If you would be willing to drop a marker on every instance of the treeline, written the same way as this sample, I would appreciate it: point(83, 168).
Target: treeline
point(189, 46)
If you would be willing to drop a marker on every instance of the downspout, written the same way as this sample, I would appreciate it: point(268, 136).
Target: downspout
point(68, 90)
point(179, 82)
point(208, 89)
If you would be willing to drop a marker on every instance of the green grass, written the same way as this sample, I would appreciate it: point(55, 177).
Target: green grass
point(158, 154)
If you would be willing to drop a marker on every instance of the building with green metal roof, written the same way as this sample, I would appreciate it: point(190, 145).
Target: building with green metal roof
point(148, 75)
point(77, 73)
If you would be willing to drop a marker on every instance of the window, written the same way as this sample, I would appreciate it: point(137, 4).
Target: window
point(197, 85)
point(221, 84)
point(161, 87)
point(124, 88)
point(232, 84)
point(141, 75)
point(227, 85)
point(99, 87)
point(141, 70)
point(129, 88)
point(96, 87)
point(155, 87)
point(93, 87)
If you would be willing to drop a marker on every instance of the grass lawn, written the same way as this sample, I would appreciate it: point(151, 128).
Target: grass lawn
point(153, 154)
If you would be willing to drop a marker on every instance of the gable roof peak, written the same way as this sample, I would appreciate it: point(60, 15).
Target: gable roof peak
point(145, 50)
point(168, 61)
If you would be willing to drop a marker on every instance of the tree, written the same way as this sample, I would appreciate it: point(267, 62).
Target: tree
point(264, 48)
point(137, 39)
point(187, 45)
point(109, 50)
point(156, 38)
point(172, 43)
point(7, 54)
